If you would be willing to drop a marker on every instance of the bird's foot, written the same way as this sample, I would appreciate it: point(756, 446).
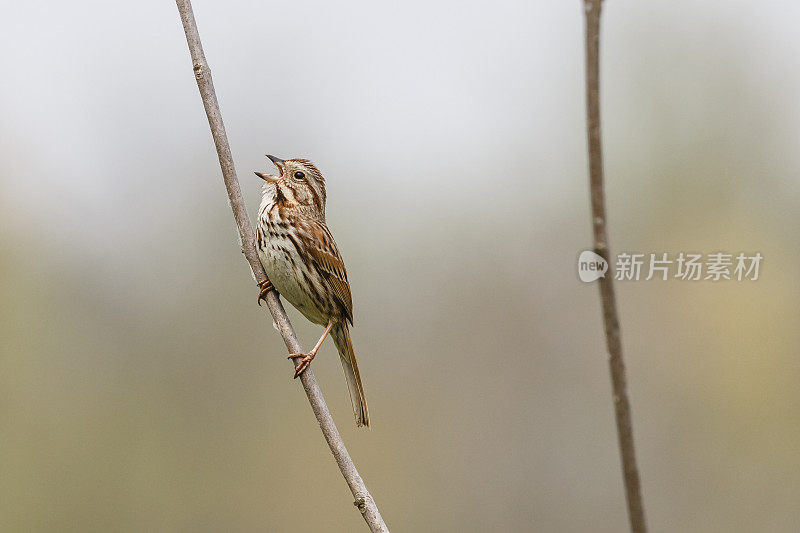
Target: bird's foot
point(265, 286)
point(307, 358)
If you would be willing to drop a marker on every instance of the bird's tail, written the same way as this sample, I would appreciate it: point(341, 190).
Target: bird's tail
point(341, 337)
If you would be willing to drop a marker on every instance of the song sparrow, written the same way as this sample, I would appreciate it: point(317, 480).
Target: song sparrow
point(303, 263)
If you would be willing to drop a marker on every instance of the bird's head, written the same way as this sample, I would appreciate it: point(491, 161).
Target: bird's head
point(298, 183)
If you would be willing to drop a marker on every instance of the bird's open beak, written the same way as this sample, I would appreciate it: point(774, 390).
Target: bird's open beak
point(271, 177)
point(267, 177)
point(278, 162)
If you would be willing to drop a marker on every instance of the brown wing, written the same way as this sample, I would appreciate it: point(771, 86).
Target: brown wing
point(326, 259)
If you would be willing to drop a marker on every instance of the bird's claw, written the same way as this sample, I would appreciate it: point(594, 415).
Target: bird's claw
point(307, 358)
point(265, 286)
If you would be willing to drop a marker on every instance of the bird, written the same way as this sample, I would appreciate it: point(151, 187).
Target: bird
point(303, 264)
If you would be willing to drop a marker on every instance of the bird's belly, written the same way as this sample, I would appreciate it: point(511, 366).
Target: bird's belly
point(284, 267)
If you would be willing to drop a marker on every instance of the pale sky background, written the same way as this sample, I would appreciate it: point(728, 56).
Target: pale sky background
point(141, 388)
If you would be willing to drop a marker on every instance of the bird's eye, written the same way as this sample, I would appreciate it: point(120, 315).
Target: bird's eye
point(299, 176)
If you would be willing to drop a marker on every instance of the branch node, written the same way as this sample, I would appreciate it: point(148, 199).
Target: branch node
point(361, 503)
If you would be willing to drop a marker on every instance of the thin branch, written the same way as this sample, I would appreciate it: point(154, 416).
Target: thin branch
point(622, 409)
point(363, 499)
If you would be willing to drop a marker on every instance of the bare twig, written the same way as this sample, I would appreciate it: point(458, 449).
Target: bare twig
point(616, 364)
point(363, 499)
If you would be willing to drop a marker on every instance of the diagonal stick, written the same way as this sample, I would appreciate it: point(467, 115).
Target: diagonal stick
point(622, 408)
point(363, 499)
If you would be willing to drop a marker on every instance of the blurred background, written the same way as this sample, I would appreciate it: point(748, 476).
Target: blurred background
point(142, 388)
